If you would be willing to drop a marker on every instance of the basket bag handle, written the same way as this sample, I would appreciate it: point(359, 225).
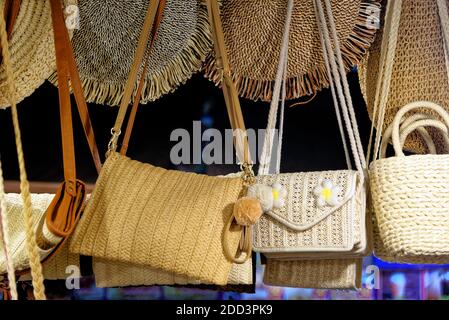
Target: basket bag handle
point(409, 107)
point(418, 122)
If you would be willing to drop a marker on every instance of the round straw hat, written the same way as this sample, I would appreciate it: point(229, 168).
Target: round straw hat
point(419, 69)
point(105, 44)
point(32, 49)
point(253, 31)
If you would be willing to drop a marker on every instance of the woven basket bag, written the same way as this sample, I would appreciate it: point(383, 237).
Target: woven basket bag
point(253, 31)
point(417, 62)
point(409, 194)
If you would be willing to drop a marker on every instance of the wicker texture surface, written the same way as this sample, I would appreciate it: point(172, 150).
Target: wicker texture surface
point(55, 267)
point(410, 201)
point(120, 274)
point(165, 219)
point(317, 274)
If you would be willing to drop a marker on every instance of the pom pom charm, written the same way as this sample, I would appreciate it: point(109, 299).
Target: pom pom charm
point(263, 193)
point(247, 210)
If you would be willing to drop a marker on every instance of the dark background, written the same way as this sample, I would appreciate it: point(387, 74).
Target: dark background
point(311, 135)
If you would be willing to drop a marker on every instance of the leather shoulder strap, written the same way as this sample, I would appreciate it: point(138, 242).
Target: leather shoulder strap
point(62, 69)
point(67, 71)
point(132, 115)
point(138, 57)
point(229, 91)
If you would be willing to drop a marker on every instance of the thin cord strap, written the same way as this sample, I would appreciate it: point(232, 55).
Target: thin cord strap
point(337, 78)
point(336, 105)
point(281, 117)
point(31, 245)
point(266, 154)
point(4, 233)
point(388, 52)
point(344, 81)
point(380, 73)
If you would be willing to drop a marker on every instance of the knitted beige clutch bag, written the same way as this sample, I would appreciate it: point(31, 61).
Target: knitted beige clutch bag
point(177, 222)
point(323, 215)
point(164, 219)
point(119, 274)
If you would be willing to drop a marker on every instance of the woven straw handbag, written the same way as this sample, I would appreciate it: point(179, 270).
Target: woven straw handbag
point(411, 74)
point(318, 274)
point(323, 213)
point(31, 44)
point(409, 195)
point(253, 32)
point(299, 220)
point(104, 55)
point(165, 219)
point(52, 217)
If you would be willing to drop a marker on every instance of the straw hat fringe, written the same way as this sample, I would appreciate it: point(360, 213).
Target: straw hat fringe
point(175, 71)
point(353, 49)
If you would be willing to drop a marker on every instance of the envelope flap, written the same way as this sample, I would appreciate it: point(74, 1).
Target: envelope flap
point(310, 197)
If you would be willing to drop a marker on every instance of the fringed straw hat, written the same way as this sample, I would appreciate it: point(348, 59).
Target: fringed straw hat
point(419, 70)
point(32, 49)
point(253, 32)
point(105, 43)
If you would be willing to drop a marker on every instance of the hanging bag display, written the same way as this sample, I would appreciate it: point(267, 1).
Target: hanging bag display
point(55, 216)
point(319, 273)
point(110, 273)
point(165, 219)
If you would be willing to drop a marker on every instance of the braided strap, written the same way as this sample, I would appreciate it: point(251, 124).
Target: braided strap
point(31, 244)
